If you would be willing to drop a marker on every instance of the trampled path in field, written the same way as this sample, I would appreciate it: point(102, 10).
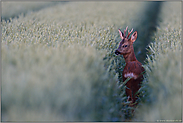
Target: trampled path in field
point(146, 27)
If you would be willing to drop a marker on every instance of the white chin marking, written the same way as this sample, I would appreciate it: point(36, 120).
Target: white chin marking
point(131, 75)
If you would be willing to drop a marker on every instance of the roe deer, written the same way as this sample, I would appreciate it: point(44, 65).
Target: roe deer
point(133, 68)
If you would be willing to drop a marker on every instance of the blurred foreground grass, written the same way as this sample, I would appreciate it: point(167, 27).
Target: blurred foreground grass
point(53, 67)
point(163, 86)
point(67, 87)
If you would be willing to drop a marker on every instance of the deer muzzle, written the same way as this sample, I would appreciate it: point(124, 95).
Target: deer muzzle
point(117, 52)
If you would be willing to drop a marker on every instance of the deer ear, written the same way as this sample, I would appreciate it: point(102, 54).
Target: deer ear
point(121, 34)
point(133, 37)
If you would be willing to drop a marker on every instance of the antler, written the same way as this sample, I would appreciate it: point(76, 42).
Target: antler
point(123, 35)
point(125, 31)
point(129, 32)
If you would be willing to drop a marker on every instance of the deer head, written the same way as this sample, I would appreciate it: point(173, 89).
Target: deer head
point(126, 44)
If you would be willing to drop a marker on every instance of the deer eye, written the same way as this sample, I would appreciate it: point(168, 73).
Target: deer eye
point(124, 45)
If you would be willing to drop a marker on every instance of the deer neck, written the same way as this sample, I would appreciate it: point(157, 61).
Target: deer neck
point(129, 56)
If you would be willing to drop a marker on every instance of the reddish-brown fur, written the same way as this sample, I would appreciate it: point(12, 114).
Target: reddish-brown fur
point(133, 68)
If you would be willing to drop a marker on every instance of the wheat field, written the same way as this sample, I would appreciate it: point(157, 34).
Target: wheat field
point(164, 81)
point(58, 62)
point(53, 67)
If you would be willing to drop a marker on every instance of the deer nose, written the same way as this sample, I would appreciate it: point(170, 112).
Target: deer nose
point(117, 52)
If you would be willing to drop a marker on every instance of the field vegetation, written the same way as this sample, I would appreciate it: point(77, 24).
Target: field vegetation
point(58, 62)
point(18, 8)
point(53, 67)
point(163, 85)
